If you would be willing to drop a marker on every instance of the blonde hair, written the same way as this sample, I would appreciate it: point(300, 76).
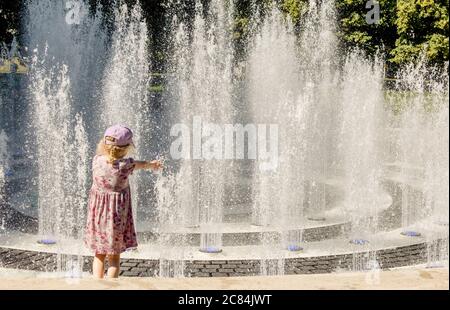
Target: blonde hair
point(113, 152)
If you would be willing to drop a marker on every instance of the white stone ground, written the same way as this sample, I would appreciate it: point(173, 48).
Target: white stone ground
point(417, 277)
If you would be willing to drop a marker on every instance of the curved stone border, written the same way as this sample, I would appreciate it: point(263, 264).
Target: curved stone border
point(15, 220)
point(311, 234)
point(387, 258)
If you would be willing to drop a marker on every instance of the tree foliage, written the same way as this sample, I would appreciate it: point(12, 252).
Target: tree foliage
point(422, 25)
point(406, 28)
point(9, 19)
point(354, 31)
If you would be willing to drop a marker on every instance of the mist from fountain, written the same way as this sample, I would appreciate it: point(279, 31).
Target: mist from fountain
point(293, 84)
point(319, 74)
point(423, 143)
point(203, 61)
point(330, 118)
point(61, 64)
point(273, 61)
point(362, 120)
point(360, 140)
point(4, 165)
point(125, 92)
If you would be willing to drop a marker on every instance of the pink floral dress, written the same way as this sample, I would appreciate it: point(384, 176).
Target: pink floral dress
point(110, 227)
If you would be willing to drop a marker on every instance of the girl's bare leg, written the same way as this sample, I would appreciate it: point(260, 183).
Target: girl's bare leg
point(98, 267)
point(114, 266)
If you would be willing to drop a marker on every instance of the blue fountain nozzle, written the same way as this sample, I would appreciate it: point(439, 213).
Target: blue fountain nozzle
point(359, 241)
point(46, 241)
point(210, 250)
point(294, 248)
point(411, 233)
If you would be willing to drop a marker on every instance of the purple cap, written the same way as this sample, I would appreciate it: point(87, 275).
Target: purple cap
point(119, 135)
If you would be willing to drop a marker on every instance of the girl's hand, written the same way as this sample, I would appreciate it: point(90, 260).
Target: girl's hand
point(155, 165)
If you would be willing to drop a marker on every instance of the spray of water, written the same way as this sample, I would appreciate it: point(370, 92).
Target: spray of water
point(423, 154)
point(362, 103)
point(204, 61)
point(58, 126)
point(273, 76)
point(3, 162)
point(330, 121)
point(125, 88)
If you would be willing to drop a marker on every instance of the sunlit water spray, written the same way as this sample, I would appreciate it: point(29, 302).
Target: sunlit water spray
point(3, 165)
point(125, 91)
point(273, 61)
point(423, 155)
point(203, 62)
point(329, 129)
point(59, 65)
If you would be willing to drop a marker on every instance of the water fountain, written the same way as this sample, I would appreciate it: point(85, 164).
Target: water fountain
point(361, 124)
point(57, 129)
point(422, 139)
point(348, 168)
point(273, 61)
point(125, 90)
point(3, 162)
point(204, 85)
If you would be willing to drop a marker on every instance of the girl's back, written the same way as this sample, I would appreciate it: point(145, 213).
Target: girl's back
point(112, 177)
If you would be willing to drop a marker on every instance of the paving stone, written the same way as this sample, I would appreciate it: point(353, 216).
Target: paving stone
point(219, 274)
point(203, 262)
point(147, 265)
point(130, 274)
point(125, 268)
point(150, 273)
point(388, 258)
point(245, 270)
point(236, 274)
point(199, 266)
point(127, 264)
point(202, 274)
point(323, 262)
point(246, 266)
point(139, 269)
point(306, 267)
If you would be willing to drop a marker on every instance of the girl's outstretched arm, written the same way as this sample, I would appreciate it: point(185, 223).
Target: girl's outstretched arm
point(154, 165)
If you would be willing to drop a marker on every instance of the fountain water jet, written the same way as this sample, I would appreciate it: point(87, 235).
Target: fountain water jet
point(3, 162)
point(125, 90)
point(61, 62)
point(362, 104)
point(330, 172)
point(423, 143)
point(204, 61)
point(273, 61)
point(318, 46)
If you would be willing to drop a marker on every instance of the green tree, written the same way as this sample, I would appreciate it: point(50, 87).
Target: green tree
point(9, 19)
point(422, 26)
point(354, 31)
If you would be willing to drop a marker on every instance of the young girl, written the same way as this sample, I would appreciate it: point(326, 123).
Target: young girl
point(110, 229)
